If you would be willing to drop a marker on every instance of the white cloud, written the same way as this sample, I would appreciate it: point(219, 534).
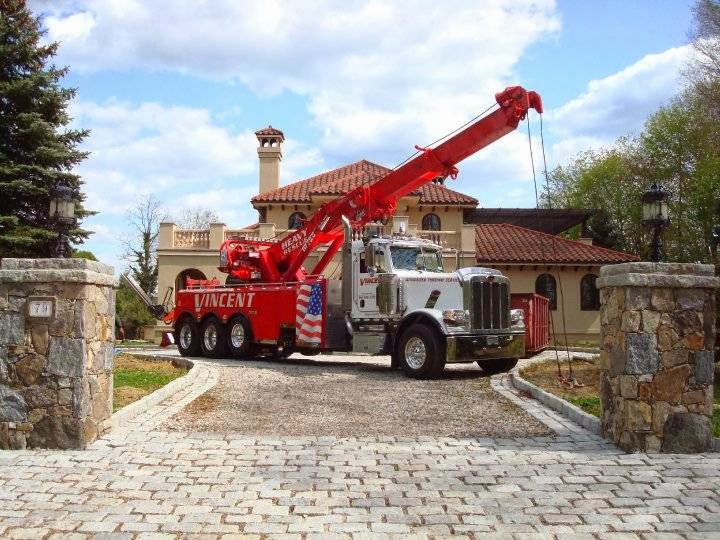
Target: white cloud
point(609, 108)
point(616, 105)
point(378, 76)
point(178, 154)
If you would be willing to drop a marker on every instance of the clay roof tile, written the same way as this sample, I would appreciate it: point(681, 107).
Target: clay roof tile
point(505, 243)
point(268, 131)
point(343, 179)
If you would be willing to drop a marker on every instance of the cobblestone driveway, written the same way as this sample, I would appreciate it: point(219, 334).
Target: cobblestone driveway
point(141, 482)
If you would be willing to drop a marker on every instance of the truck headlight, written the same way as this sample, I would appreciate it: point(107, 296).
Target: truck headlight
point(517, 318)
point(456, 317)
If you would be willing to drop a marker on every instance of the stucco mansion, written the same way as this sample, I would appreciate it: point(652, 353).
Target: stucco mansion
point(522, 243)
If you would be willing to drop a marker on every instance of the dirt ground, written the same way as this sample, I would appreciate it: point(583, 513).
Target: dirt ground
point(586, 374)
point(128, 362)
point(301, 396)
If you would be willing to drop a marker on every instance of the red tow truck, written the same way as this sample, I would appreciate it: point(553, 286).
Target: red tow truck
point(393, 298)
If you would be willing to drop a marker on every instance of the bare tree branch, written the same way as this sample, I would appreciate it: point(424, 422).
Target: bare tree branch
point(196, 218)
point(141, 246)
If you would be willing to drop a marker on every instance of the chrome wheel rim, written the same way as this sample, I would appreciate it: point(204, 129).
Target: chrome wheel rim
point(210, 337)
point(415, 352)
point(185, 336)
point(237, 335)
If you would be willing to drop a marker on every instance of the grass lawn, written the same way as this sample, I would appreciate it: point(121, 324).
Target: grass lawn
point(136, 344)
point(134, 378)
point(584, 343)
point(587, 396)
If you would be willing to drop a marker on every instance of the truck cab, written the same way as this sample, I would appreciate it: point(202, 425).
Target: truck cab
point(396, 298)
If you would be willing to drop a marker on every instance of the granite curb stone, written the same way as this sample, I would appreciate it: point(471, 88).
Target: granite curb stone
point(559, 405)
point(655, 268)
point(56, 264)
point(567, 409)
point(120, 418)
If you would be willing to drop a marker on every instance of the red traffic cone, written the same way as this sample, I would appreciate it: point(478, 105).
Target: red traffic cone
point(167, 339)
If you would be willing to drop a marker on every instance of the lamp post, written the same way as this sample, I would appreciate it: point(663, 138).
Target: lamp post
point(62, 212)
point(655, 216)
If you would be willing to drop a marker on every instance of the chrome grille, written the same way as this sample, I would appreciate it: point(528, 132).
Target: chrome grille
point(490, 308)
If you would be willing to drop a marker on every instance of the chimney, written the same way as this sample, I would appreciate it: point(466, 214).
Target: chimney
point(269, 154)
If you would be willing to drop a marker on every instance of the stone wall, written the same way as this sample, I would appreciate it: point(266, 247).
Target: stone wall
point(657, 337)
point(56, 351)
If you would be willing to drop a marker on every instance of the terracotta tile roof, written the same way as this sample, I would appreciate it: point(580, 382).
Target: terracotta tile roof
point(505, 243)
point(341, 180)
point(270, 131)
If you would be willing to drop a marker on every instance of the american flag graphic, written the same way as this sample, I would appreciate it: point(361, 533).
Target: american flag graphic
point(308, 314)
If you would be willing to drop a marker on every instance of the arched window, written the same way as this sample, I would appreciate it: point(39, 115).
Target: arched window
point(431, 222)
point(192, 273)
point(589, 293)
point(546, 286)
point(296, 220)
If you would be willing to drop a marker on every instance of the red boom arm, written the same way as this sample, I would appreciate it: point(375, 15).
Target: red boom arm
point(282, 261)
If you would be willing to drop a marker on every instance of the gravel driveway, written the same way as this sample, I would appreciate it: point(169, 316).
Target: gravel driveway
point(351, 397)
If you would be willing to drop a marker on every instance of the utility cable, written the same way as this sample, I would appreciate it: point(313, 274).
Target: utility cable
point(571, 380)
point(542, 250)
point(448, 135)
point(562, 296)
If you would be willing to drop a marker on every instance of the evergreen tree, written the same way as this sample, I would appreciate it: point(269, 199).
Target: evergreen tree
point(37, 150)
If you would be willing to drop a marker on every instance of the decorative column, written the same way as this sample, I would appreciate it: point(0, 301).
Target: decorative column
point(56, 352)
point(657, 338)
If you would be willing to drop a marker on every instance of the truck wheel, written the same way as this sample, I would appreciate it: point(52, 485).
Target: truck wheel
point(420, 352)
point(239, 337)
point(497, 365)
point(187, 337)
point(212, 338)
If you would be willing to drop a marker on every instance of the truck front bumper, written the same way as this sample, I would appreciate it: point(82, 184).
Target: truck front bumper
point(471, 347)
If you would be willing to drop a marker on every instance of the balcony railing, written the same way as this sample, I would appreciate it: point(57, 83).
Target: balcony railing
point(173, 238)
point(191, 238)
point(446, 239)
point(245, 234)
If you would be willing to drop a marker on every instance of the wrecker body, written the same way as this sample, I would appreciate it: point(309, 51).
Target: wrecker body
point(392, 296)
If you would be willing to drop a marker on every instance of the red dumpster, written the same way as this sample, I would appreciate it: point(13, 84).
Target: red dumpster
point(537, 320)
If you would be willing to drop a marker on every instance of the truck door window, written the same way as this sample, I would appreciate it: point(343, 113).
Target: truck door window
point(430, 260)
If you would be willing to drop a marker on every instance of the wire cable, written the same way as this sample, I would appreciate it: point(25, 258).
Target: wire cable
point(448, 135)
point(562, 296)
point(542, 250)
point(571, 379)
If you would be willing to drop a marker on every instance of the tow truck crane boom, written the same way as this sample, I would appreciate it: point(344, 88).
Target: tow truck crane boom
point(263, 261)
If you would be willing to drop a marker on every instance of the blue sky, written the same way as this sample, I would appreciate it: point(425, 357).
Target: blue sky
point(173, 91)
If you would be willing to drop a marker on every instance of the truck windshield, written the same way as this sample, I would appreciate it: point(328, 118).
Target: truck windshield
point(416, 258)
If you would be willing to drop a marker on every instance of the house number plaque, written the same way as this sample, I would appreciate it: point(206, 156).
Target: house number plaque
point(41, 307)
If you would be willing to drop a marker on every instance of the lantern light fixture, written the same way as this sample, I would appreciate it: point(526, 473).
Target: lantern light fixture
point(62, 213)
point(655, 216)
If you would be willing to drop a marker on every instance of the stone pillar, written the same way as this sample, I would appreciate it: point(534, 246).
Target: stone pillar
point(56, 352)
point(657, 336)
point(166, 236)
point(266, 231)
point(217, 235)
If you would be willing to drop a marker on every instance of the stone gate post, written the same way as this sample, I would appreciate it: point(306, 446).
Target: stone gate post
point(56, 350)
point(657, 337)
